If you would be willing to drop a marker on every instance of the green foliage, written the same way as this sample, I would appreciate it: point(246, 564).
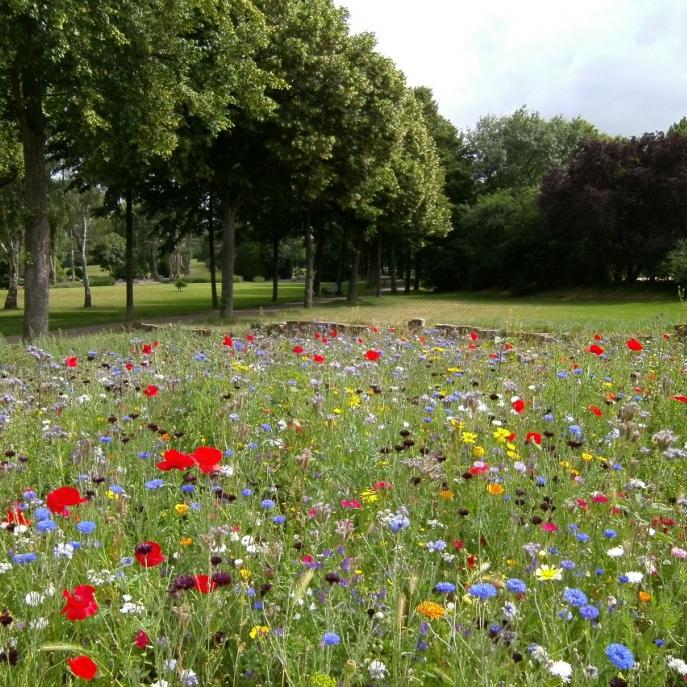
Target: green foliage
point(249, 261)
point(110, 254)
point(676, 263)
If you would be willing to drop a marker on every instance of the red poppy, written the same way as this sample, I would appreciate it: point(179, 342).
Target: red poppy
point(250, 338)
point(228, 341)
point(634, 345)
point(151, 390)
point(207, 458)
point(680, 397)
point(318, 358)
point(471, 561)
point(71, 362)
point(147, 349)
point(533, 438)
point(373, 355)
point(596, 410)
point(318, 336)
point(598, 337)
point(175, 460)
point(58, 499)
point(518, 406)
point(334, 333)
point(149, 554)
point(82, 667)
point(141, 639)
point(81, 602)
point(383, 485)
point(474, 336)
point(129, 366)
point(297, 350)
point(478, 469)
point(17, 517)
point(596, 350)
point(204, 584)
point(458, 544)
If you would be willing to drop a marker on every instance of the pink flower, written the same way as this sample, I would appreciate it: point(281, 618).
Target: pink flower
point(677, 552)
point(549, 527)
point(353, 503)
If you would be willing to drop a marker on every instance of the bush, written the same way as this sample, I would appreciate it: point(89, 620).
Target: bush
point(676, 263)
point(257, 279)
point(102, 280)
point(237, 279)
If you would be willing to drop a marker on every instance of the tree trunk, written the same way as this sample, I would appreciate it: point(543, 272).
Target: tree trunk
point(370, 266)
point(378, 267)
point(416, 276)
point(392, 266)
point(87, 300)
point(355, 273)
point(309, 262)
point(213, 260)
point(154, 273)
point(13, 253)
point(319, 256)
point(186, 257)
point(275, 268)
point(28, 101)
point(129, 254)
point(229, 210)
point(72, 263)
point(340, 267)
point(407, 280)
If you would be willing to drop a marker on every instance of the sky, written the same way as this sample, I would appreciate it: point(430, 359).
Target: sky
point(621, 64)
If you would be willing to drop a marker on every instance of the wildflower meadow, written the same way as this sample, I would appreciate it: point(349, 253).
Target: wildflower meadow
point(333, 509)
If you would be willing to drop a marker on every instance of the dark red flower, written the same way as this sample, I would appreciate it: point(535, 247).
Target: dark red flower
point(58, 499)
point(204, 584)
point(680, 397)
point(149, 554)
point(175, 460)
point(634, 345)
point(207, 458)
point(141, 639)
point(81, 602)
point(82, 667)
point(151, 390)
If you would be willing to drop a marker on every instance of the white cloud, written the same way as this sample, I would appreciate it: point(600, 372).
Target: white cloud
point(618, 63)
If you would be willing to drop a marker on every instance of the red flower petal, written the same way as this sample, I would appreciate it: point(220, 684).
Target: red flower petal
point(533, 438)
point(151, 390)
point(297, 350)
point(207, 458)
point(680, 397)
point(149, 554)
point(518, 406)
point(71, 362)
point(596, 410)
point(175, 460)
point(82, 667)
point(228, 341)
point(58, 499)
point(596, 350)
point(204, 584)
point(81, 603)
point(373, 355)
point(634, 345)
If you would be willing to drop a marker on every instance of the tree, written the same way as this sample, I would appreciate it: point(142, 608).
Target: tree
point(515, 151)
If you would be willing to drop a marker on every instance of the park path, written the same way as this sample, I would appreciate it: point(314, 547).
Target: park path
point(180, 319)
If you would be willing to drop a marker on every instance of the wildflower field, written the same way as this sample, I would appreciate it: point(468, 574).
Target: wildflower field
point(333, 508)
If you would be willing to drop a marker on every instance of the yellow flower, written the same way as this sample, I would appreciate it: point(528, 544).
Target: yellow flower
point(245, 574)
point(111, 495)
point(495, 489)
point(323, 680)
point(469, 437)
point(446, 494)
point(501, 434)
point(181, 508)
point(369, 496)
point(546, 573)
point(259, 631)
point(478, 451)
point(186, 541)
point(586, 457)
point(431, 610)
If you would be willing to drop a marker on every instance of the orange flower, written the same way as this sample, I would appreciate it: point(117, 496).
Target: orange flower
point(431, 610)
point(495, 489)
point(644, 597)
point(446, 494)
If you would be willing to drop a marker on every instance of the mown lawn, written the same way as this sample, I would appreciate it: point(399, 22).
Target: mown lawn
point(151, 300)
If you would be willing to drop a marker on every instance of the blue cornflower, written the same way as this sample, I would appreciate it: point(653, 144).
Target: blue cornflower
point(548, 417)
point(228, 453)
point(541, 481)
point(330, 639)
point(582, 537)
point(267, 504)
point(610, 534)
point(562, 374)
point(246, 492)
point(399, 522)
point(620, 656)
point(154, 484)
point(24, 558)
point(116, 489)
point(575, 597)
point(516, 586)
point(46, 526)
point(144, 455)
point(188, 488)
point(568, 564)
point(438, 545)
point(445, 587)
point(86, 527)
point(279, 519)
point(589, 612)
point(482, 590)
point(623, 579)
point(41, 514)
point(200, 357)
point(575, 430)
point(266, 427)
point(105, 440)
point(660, 642)
point(126, 561)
